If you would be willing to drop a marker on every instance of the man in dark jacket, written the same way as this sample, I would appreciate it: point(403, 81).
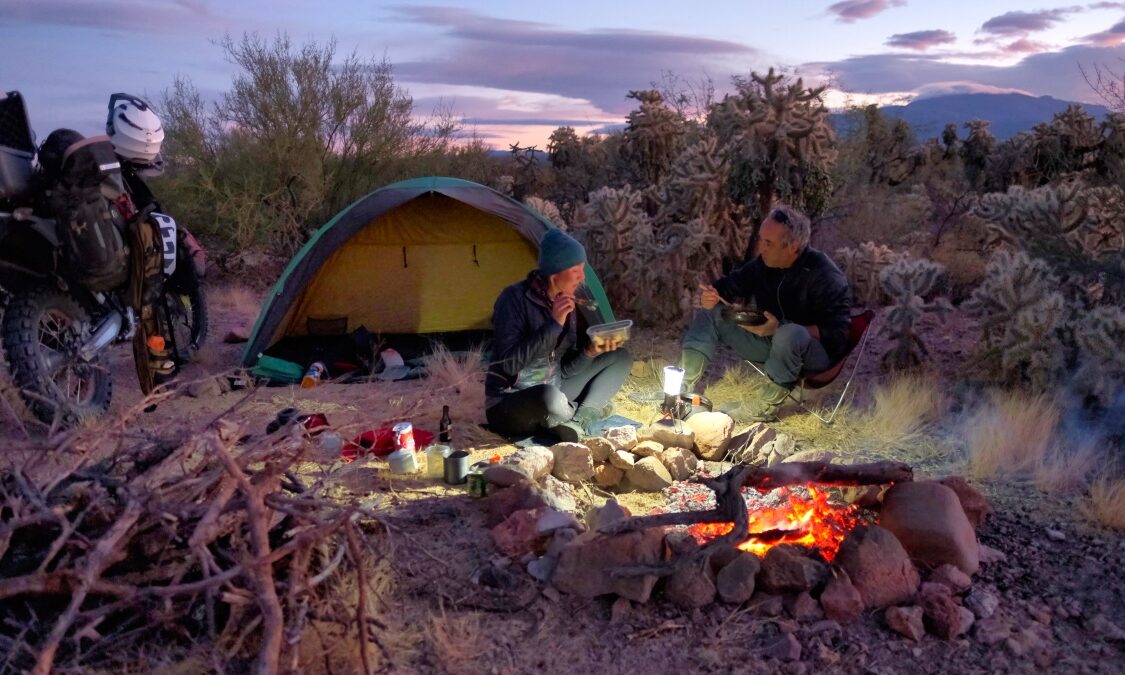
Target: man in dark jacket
point(544, 375)
point(806, 303)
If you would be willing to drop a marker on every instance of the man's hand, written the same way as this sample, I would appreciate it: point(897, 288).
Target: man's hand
point(709, 296)
point(561, 307)
point(601, 347)
point(766, 329)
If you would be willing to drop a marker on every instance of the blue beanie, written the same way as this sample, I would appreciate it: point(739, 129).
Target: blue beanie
point(559, 251)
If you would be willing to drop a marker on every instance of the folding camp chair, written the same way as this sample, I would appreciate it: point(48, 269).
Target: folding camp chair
point(857, 337)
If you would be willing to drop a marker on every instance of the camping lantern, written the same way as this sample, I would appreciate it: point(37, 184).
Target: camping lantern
point(673, 380)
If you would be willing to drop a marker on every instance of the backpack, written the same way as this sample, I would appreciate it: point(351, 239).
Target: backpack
point(86, 185)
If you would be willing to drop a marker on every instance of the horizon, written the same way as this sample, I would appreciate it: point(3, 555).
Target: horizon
point(513, 74)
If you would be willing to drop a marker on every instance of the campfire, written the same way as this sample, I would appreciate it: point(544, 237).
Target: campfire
point(812, 521)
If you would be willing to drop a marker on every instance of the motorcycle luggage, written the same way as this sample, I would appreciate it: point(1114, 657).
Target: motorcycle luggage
point(84, 195)
point(17, 147)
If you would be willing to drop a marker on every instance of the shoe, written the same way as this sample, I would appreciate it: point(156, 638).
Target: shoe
point(568, 432)
point(762, 407)
point(694, 363)
point(587, 416)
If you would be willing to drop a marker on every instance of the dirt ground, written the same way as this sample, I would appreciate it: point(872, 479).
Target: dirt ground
point(449, 602)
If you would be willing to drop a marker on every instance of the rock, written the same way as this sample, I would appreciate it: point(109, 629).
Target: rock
point(1101, 626)
point(551, 520)
point(785, 648)
point(669, 433)
point(649, 475)
point(735, 580)
point(788, 569)
point(691, 585)
point(574, 462)
point(973, 503)
point(680, 543)
point(681, 463)
point(941, 612)
point(205, 388)
point(989, 555)
point(967, 620)
point(620, 611)
point(559, 495)
point(586, 565)
point(767, 604)
point(778, 449)
point(623, 459)
point(951, 577)
point(600, 448)
point(648, 449)
point(841, 600)
point(713, 431)
point(878, 566)
point(803, 607)
point(516, 536)
point(561, 538)
point(811, 455)
point(993, 629)
point(610, 512)
point(760, 435)
point(864, 496)
point(982, 602)
point(722, 556)
point(1054, 535)
point(623, 438)
point(906, 621)
point(927, 518)
point(526, 464)
point(502, 503)
point(542, 568)
point(607, 475)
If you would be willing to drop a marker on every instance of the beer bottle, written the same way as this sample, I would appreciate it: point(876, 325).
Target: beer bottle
point(444, 426)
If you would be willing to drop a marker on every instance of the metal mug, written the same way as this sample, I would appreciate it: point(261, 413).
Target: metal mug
point(456, 467)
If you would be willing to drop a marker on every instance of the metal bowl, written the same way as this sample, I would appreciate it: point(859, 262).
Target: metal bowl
point(746, 316)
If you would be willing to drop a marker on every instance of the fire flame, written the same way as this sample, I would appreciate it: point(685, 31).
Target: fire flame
point(812, 522)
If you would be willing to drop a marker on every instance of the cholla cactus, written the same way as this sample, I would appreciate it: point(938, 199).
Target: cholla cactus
point(548, 210)
point(606, 225)
point(1021, 314)
point(505, 184)
point(908, 282)
point(663, 268)
point(779, 140)
point(1100, 335)
point(863, 266)
point(1079, 229)
point(653, 135)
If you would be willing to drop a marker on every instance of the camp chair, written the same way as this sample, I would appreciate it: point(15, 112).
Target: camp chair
point(857, 337)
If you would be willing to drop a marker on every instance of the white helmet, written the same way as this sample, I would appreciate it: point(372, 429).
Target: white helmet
point(134, 129)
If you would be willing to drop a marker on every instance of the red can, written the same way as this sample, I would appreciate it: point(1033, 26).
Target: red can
point(403, 435)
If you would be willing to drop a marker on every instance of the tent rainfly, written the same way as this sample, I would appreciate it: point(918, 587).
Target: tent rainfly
point(425, 255)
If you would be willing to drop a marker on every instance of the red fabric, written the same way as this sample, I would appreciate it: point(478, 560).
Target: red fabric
point(380, 442)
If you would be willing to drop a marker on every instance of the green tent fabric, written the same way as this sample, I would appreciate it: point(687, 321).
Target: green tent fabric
point(425, 255)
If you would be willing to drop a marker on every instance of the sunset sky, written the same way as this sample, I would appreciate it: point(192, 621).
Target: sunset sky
point(514, 71)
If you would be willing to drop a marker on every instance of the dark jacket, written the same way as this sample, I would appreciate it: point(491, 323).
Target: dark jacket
point(812, 292)
point(528, 346)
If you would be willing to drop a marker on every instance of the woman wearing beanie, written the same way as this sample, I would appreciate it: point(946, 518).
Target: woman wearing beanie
point(544, 374)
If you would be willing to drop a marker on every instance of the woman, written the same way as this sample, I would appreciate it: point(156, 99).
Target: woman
point(544, 375)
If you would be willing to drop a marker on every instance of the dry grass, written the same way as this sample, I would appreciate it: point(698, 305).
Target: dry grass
point(1011, 434)
point(458, 641)
point(1069, 465)
point(1105, 503)
point(457, 380)
point(906, 406)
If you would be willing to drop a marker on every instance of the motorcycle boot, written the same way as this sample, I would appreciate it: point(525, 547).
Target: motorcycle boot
point(694, 363)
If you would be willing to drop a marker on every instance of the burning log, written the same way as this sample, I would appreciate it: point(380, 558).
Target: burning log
point(731, 507)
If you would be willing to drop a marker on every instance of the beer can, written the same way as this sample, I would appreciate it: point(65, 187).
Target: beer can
point(403, 434)
point(477, 487)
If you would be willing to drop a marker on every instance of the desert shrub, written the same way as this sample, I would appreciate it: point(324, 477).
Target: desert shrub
point(906, 406)
point(1011, 434)
point(1105, 502)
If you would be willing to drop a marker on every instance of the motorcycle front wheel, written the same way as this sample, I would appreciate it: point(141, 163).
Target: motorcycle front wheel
point(42, 332)
point(185, 308)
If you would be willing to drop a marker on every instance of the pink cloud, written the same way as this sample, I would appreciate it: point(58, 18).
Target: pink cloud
point(1025, 46)
point(921, 40)
point(848, 11)
point(1108, 38)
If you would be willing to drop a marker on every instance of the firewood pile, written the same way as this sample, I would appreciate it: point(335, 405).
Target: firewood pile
point(193, 539)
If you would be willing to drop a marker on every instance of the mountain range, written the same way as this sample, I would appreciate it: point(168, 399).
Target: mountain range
point(1008, 113)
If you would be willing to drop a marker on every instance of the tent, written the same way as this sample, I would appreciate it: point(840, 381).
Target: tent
point(421, 256)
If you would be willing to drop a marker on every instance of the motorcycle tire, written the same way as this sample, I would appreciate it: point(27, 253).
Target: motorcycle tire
point(185, 307)
point(42, 323)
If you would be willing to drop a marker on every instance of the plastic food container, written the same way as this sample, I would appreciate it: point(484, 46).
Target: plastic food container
point(618, 331)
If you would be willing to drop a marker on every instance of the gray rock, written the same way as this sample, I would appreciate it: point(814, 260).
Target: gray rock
point(878, 566)
point(735, 580)
point(648, 449)
point(542, 568)
point(951, 577)
point(906, 621)
point(527, 464)
point(786, 648)
point(691, 585)
point(993, 629)
point(610, 512)
point(811, 455)
point(649, 475)
point(788, 569)
point(681, 463)
point(1055, 535)
point(623, 438)
point(669, 433)
point(205, 388)
point(928, 519)
point(574, 462)
point(623, 459)
point(989, 555)
point(559, 495)
point(713, 431)
point(600, 448)
point(551, 520)
point(982, 602)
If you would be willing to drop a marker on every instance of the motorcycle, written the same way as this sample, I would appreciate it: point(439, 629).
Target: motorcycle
point(57, 326)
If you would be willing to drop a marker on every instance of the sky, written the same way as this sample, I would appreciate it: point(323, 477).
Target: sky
point(515, 71)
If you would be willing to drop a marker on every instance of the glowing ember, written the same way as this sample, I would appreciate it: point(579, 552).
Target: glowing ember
point(812, 522)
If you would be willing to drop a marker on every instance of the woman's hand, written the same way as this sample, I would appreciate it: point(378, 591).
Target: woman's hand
point(561, 307)
point(602, 346)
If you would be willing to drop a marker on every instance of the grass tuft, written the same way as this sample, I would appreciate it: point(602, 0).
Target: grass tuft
point(1011, 434)
point(1105, 503)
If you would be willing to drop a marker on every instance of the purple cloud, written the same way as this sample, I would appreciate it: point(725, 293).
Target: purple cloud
point(1108, 38)
point(848, 11)
point(1018, 24)
point(158, 16)
point(921, 40)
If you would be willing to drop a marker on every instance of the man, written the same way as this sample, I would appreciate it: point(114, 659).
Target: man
point(544, 374)
point(806, 303)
